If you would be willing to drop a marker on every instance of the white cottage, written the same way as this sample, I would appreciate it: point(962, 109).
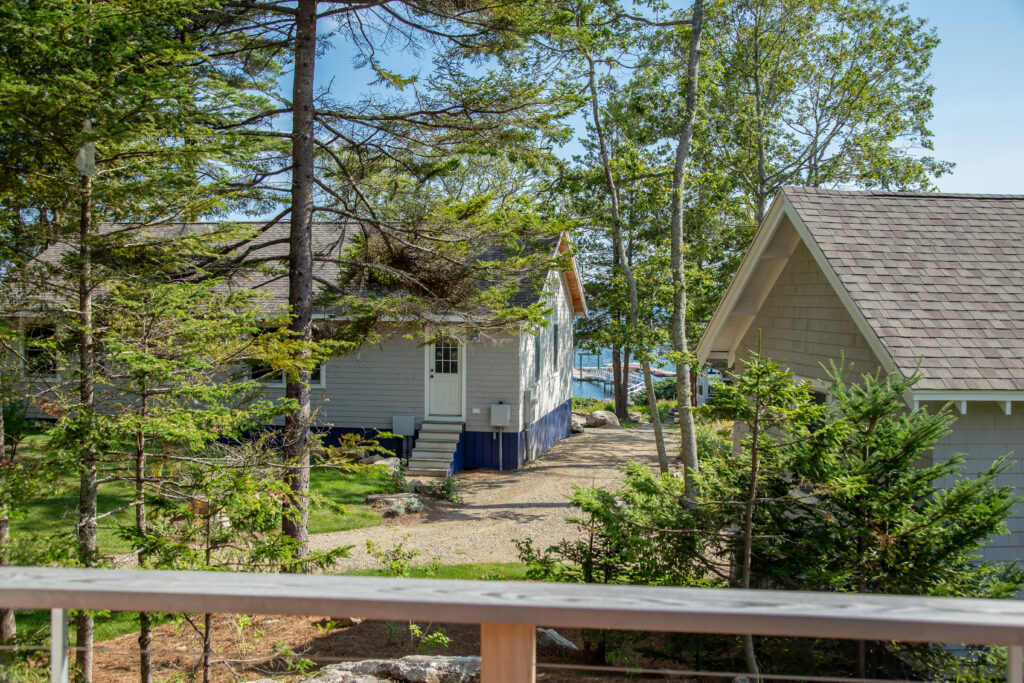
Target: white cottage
point(897, 281)
point(490, 400)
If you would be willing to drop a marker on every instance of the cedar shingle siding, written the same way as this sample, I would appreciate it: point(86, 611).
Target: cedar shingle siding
point(805, 323)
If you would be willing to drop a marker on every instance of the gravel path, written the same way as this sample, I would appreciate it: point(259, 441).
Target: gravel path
point(501, 506)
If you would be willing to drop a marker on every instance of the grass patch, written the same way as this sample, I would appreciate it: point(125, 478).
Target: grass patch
point(347, 489)
point(589, 405)
point(58, 512)
point(35, 624)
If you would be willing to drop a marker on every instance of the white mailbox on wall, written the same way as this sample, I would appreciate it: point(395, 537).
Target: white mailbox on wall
point(501, 415)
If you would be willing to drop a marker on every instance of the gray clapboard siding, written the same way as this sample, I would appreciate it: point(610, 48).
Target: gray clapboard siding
point(555, 384)
point(803, 323)
point(492, 365)
point(654, 608)
point(983, 435)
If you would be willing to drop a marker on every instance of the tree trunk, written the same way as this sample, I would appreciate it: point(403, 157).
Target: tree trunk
point(748, 526)
point(619, 246)
point(145, 624)
point(8, 629)
point(300, 274)
point(207, 627)
point(680, 344)
point(619, 384)
point(88, 484)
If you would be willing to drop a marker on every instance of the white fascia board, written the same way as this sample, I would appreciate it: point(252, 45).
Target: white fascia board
point(967, 395)
point(739, 284)
point(881, 353)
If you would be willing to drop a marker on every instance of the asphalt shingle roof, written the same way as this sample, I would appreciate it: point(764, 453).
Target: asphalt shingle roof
point(939, 277)
point(270, 249)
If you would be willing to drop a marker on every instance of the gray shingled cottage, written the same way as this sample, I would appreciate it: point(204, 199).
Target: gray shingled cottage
point(895, 281)
point(489, 400)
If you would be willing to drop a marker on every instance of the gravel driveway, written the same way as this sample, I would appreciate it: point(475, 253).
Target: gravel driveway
point(502, 506)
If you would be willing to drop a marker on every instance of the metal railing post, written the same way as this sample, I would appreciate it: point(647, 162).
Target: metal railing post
point(508, 653)
point(1015, 664)
point(58, 646)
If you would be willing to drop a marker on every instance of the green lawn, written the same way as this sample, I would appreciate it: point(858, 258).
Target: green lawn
point(58, 512)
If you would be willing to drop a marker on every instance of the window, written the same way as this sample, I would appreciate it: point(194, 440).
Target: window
point(264, 374)
point(536, 358)
point(446, 358)
point(554, 355)
point(39, 358)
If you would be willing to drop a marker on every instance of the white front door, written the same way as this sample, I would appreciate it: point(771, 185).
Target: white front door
point(445, 366)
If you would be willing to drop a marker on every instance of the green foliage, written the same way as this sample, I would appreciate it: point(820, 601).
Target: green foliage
point(15, 425)
point(429, 638)
point(446, 489)
point(393, 481)
point(664, 390)
point(589, 405)
point(396, 561)
point(837, 496)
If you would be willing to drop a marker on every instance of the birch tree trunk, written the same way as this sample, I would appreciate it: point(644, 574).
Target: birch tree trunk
point(300, 273)
point(627, 271)
point(687, 429)
point(88, 483)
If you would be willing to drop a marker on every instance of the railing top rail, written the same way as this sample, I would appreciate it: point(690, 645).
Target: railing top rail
point(693, 610)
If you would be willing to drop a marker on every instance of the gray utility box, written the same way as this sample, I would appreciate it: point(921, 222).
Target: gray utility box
point(403, 425)
point(501, 415)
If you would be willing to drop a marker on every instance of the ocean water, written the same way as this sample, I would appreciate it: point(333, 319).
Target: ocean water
point(588, 359)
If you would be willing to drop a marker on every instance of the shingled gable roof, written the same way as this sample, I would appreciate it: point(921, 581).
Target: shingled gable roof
point(934, 281)
point(270, 247)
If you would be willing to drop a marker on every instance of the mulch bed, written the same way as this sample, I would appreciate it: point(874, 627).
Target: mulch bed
point(251, 649)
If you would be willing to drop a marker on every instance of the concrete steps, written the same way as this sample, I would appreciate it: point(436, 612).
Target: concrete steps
point(434, 449)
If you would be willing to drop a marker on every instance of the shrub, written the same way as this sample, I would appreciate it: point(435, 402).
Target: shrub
point(664, 389)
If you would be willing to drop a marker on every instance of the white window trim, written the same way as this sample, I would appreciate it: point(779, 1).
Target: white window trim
point(280, 383)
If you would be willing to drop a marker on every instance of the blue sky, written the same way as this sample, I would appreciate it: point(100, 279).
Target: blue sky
point(979, 92)
point(979, 99)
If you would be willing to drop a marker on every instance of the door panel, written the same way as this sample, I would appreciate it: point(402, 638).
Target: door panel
point(446, 379)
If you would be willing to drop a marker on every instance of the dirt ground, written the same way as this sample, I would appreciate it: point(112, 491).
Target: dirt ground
point(250, 649)
point(498, 507)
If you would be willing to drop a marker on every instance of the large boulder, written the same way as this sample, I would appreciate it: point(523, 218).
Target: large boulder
point(602, 418)
point(392, 464)
point(578, 424)
point(411, 669)
point(409, 501)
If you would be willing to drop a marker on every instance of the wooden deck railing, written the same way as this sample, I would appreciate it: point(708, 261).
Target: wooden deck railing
point(509, 611)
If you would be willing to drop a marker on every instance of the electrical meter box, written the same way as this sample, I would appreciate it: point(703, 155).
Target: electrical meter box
point(501, 415)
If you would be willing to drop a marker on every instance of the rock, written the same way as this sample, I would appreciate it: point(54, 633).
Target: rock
point(636, 417)
point(601, 418)
point(577, 425)
point(549, 636)
point(393, 464)
point(371, 459)
point(330, 675)
point(392, 499)
point(411, 669)
point(418, 486)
